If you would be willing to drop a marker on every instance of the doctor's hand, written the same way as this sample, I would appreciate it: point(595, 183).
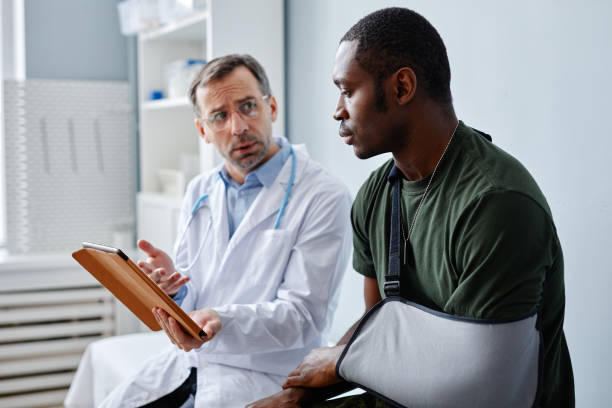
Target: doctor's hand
point(317, 369)
point(207, 319)
point(160, 268)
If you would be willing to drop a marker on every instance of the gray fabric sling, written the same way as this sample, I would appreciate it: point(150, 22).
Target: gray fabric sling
point(416, 357)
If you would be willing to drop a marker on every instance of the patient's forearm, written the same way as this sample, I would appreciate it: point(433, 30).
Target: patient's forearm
point(348, 334)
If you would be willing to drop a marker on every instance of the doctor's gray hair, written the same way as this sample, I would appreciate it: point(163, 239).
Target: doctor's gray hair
point(220, 67)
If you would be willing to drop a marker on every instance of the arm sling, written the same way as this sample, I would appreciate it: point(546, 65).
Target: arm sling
point(413, 356)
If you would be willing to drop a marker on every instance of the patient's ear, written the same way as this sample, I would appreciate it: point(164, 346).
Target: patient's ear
point(404, 84)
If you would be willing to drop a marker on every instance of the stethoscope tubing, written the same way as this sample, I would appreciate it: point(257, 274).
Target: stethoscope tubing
point(198, 205)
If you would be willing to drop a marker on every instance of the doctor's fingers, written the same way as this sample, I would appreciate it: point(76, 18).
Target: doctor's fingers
point(209, 320)
point(167, 278)
point(162, 319)
point(211, 328)
point(146, 267)
point(173, 284)
point(161, 277)
point(158, 275)
point(162, 324)
point(148, 248)
point(186, 342)
point(181, 339)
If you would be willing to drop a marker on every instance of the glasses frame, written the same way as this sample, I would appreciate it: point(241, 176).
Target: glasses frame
point(221, 124)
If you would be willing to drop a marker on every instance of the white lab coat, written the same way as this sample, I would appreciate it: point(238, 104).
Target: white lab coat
point(275, 290)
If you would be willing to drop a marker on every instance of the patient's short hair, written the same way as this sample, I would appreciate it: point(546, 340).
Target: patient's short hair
point(396, 37)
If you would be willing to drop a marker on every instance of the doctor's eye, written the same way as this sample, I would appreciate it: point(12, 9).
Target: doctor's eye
point(248, 108)
point(217, 117)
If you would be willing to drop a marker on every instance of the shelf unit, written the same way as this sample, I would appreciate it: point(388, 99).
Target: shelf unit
point(166, 103)
point(166, 126)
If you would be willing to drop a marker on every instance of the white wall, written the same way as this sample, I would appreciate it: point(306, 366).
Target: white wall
point(536, 76)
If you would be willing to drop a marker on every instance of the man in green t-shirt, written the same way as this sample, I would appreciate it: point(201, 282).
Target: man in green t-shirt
point(477, 235)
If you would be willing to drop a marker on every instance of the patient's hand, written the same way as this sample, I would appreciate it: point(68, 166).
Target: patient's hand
point(317, 369)
point(289, 398)
point(160, 268)
point(207, 319)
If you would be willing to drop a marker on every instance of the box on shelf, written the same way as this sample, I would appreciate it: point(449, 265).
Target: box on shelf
point(172, 10)
point(137, 15)
point(179, 75)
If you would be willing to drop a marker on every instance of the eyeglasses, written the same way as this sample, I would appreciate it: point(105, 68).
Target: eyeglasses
point(248, 109)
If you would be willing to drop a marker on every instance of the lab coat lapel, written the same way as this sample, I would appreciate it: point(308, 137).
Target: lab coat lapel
point(220, 220)
point(267, 202)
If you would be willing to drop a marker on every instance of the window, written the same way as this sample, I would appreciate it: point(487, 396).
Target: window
point(12, 49)
point(2, 149)
point(2, 180)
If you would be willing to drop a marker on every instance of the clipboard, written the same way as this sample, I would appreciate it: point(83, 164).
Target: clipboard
point(128, 283)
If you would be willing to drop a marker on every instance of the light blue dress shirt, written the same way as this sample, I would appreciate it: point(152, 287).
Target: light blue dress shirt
point(240, 197)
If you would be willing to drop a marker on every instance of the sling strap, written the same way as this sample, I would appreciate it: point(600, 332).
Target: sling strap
point(392, 277)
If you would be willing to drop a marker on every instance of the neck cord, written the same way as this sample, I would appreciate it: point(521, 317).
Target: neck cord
point(416, 213)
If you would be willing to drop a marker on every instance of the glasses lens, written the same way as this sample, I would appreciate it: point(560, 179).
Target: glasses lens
point(217, 120)
point(248, 110)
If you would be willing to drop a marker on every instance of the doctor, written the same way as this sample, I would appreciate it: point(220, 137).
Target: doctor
point(263, 242)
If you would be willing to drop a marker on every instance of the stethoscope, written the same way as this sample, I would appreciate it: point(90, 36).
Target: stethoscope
point(198, 206)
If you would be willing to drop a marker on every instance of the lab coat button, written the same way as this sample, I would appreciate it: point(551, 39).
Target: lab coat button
point(204, 364)
point(144, 395)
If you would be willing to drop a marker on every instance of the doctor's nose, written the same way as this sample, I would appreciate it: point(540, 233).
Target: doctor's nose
point(238, 124)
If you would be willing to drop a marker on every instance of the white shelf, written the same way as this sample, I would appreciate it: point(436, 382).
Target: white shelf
point(166, 103)
point(187, 29)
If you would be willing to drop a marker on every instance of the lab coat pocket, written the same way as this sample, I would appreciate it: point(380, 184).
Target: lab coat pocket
point(271, 253)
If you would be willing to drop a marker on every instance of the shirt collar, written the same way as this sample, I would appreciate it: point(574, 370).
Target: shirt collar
point(267, 172)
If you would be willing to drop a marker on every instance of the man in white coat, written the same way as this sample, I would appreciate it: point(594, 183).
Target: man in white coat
point(263, 242)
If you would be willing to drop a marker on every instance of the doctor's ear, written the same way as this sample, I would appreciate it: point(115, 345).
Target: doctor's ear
point(200, 128)
point(273, 108)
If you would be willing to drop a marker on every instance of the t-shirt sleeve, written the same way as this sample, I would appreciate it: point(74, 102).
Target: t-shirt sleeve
point(502, 246)
point(362, 253)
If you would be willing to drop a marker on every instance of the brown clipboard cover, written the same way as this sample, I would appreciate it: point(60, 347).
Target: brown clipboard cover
point(128, 283)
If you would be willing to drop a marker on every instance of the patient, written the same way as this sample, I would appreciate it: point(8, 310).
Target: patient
point(263, 241)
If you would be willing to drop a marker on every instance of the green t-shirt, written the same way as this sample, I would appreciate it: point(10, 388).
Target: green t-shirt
point(483, 243)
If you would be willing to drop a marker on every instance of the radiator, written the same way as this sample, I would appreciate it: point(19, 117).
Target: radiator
point(48, 315)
